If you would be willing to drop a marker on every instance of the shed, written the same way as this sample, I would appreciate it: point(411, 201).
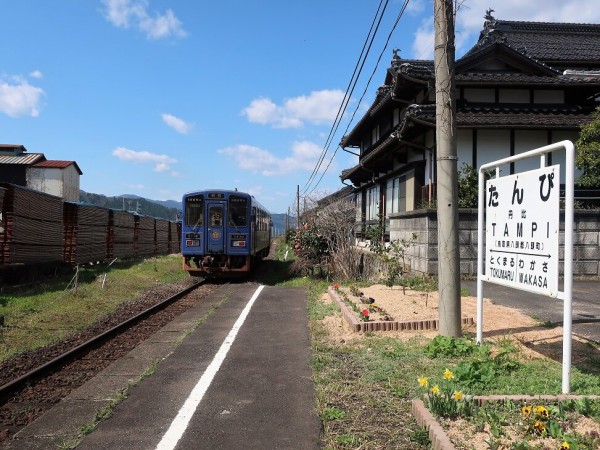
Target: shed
point(60, 178)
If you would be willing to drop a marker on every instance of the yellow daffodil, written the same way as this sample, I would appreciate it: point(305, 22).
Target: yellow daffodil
point(423, 382)
point(526, 410)
point(457, 396)
point(565, 446)
point(448, 375)
point(435, 390)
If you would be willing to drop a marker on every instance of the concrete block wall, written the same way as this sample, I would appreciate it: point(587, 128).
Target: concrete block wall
point(422, 256)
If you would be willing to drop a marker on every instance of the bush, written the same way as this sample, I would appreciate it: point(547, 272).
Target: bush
point(310, 245)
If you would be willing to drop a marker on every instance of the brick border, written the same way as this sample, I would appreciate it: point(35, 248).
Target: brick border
point(389, 325)
point(437, 435)
point(439, 438)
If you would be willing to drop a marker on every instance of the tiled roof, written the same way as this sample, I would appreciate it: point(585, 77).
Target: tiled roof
point(512, 115)
point(548, 42)
point(424, 73)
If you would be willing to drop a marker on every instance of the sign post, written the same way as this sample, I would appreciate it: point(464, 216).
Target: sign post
point(522, 234)
point(522, 230)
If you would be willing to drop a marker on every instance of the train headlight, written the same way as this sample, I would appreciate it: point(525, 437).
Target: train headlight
point(192, 242)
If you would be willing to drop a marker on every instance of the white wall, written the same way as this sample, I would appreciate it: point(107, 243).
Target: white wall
point(464, 147)
point(493, 145)
point(62, 183)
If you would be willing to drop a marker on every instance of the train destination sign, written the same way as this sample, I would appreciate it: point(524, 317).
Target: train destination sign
point(522, 230)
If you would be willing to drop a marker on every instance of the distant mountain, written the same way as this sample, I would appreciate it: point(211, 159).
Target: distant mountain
point(279, 223)
point(161, 210)
point(166, 209)
point(165, 203)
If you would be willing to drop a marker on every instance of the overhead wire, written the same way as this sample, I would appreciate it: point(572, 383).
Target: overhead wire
point(364, 91)
point(349, 89)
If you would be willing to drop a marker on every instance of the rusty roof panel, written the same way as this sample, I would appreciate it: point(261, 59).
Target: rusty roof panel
point(58, 164)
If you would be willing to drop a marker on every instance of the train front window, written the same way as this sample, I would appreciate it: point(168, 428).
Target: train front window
point(238, 211)
point(216, 216)
point(194, 211)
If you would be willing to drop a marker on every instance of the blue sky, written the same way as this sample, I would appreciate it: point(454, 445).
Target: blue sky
point(157, 97)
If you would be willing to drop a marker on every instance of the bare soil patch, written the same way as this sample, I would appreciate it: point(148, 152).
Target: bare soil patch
point(499, 321)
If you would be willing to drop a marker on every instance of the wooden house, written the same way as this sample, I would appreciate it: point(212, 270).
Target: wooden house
point(523, 85)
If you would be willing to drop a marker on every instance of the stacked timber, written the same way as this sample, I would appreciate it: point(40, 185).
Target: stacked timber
point(86, 233)
point(145, 235)
point(174, 237)
point(2, 224)
point(121, 234)
point(162, 236)
point(33, 224)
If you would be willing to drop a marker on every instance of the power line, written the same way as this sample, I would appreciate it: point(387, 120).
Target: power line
point(349, 89)
point(365, 90)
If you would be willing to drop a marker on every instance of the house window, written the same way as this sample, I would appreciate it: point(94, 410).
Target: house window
point(375, 135)
point(358, 206)
point(548, 96)
point(364, 145)
point(396, 118)
point(396, 195)
point(514, 96)
point(372, 206)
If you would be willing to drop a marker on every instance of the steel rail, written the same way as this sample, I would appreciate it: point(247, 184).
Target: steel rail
point(50, 366)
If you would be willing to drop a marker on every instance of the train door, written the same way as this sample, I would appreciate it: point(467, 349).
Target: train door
point(215, 239)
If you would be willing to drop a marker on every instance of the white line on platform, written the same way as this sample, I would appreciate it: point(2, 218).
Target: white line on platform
point(181, 421)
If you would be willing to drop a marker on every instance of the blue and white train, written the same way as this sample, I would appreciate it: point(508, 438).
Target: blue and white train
point(223, 233)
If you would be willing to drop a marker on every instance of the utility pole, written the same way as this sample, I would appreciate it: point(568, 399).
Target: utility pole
point(447, 175)
point(298, 205)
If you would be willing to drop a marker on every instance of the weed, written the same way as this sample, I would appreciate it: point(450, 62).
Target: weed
point(420, 436)
point(333, 413)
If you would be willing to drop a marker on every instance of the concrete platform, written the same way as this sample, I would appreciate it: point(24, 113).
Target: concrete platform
point(261, 397)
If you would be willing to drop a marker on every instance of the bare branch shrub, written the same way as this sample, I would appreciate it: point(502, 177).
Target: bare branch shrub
point(336, 221)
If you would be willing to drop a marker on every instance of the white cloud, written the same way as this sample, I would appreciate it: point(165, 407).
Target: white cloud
point(304, 157)
point(319, 107)
point(424, 38)
point(19, 98)
point(176, 123)
point(470, 20)
point(36, 74)
point(134, 13)
point(416, 7)
point(162, 162)
point(261, 110)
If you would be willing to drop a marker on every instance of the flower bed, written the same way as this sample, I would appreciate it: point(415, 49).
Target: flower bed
point(367, 313)
point(458, 421)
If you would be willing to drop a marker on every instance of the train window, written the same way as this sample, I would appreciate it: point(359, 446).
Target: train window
point(194, 211)
point(238, 211)
point(216, 216)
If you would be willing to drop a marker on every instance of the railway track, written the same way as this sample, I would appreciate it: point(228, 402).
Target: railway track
point(32, 384)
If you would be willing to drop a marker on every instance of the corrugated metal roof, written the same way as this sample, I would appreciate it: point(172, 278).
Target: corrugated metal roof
point(58, 164)
point(25, 159)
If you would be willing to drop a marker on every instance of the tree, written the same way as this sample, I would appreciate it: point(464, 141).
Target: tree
point(588, 153)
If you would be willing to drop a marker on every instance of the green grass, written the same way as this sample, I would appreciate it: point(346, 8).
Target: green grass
point(365, 386)
point(44, 313)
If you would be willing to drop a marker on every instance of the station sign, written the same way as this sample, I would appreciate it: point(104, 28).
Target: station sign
point(522, 230)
